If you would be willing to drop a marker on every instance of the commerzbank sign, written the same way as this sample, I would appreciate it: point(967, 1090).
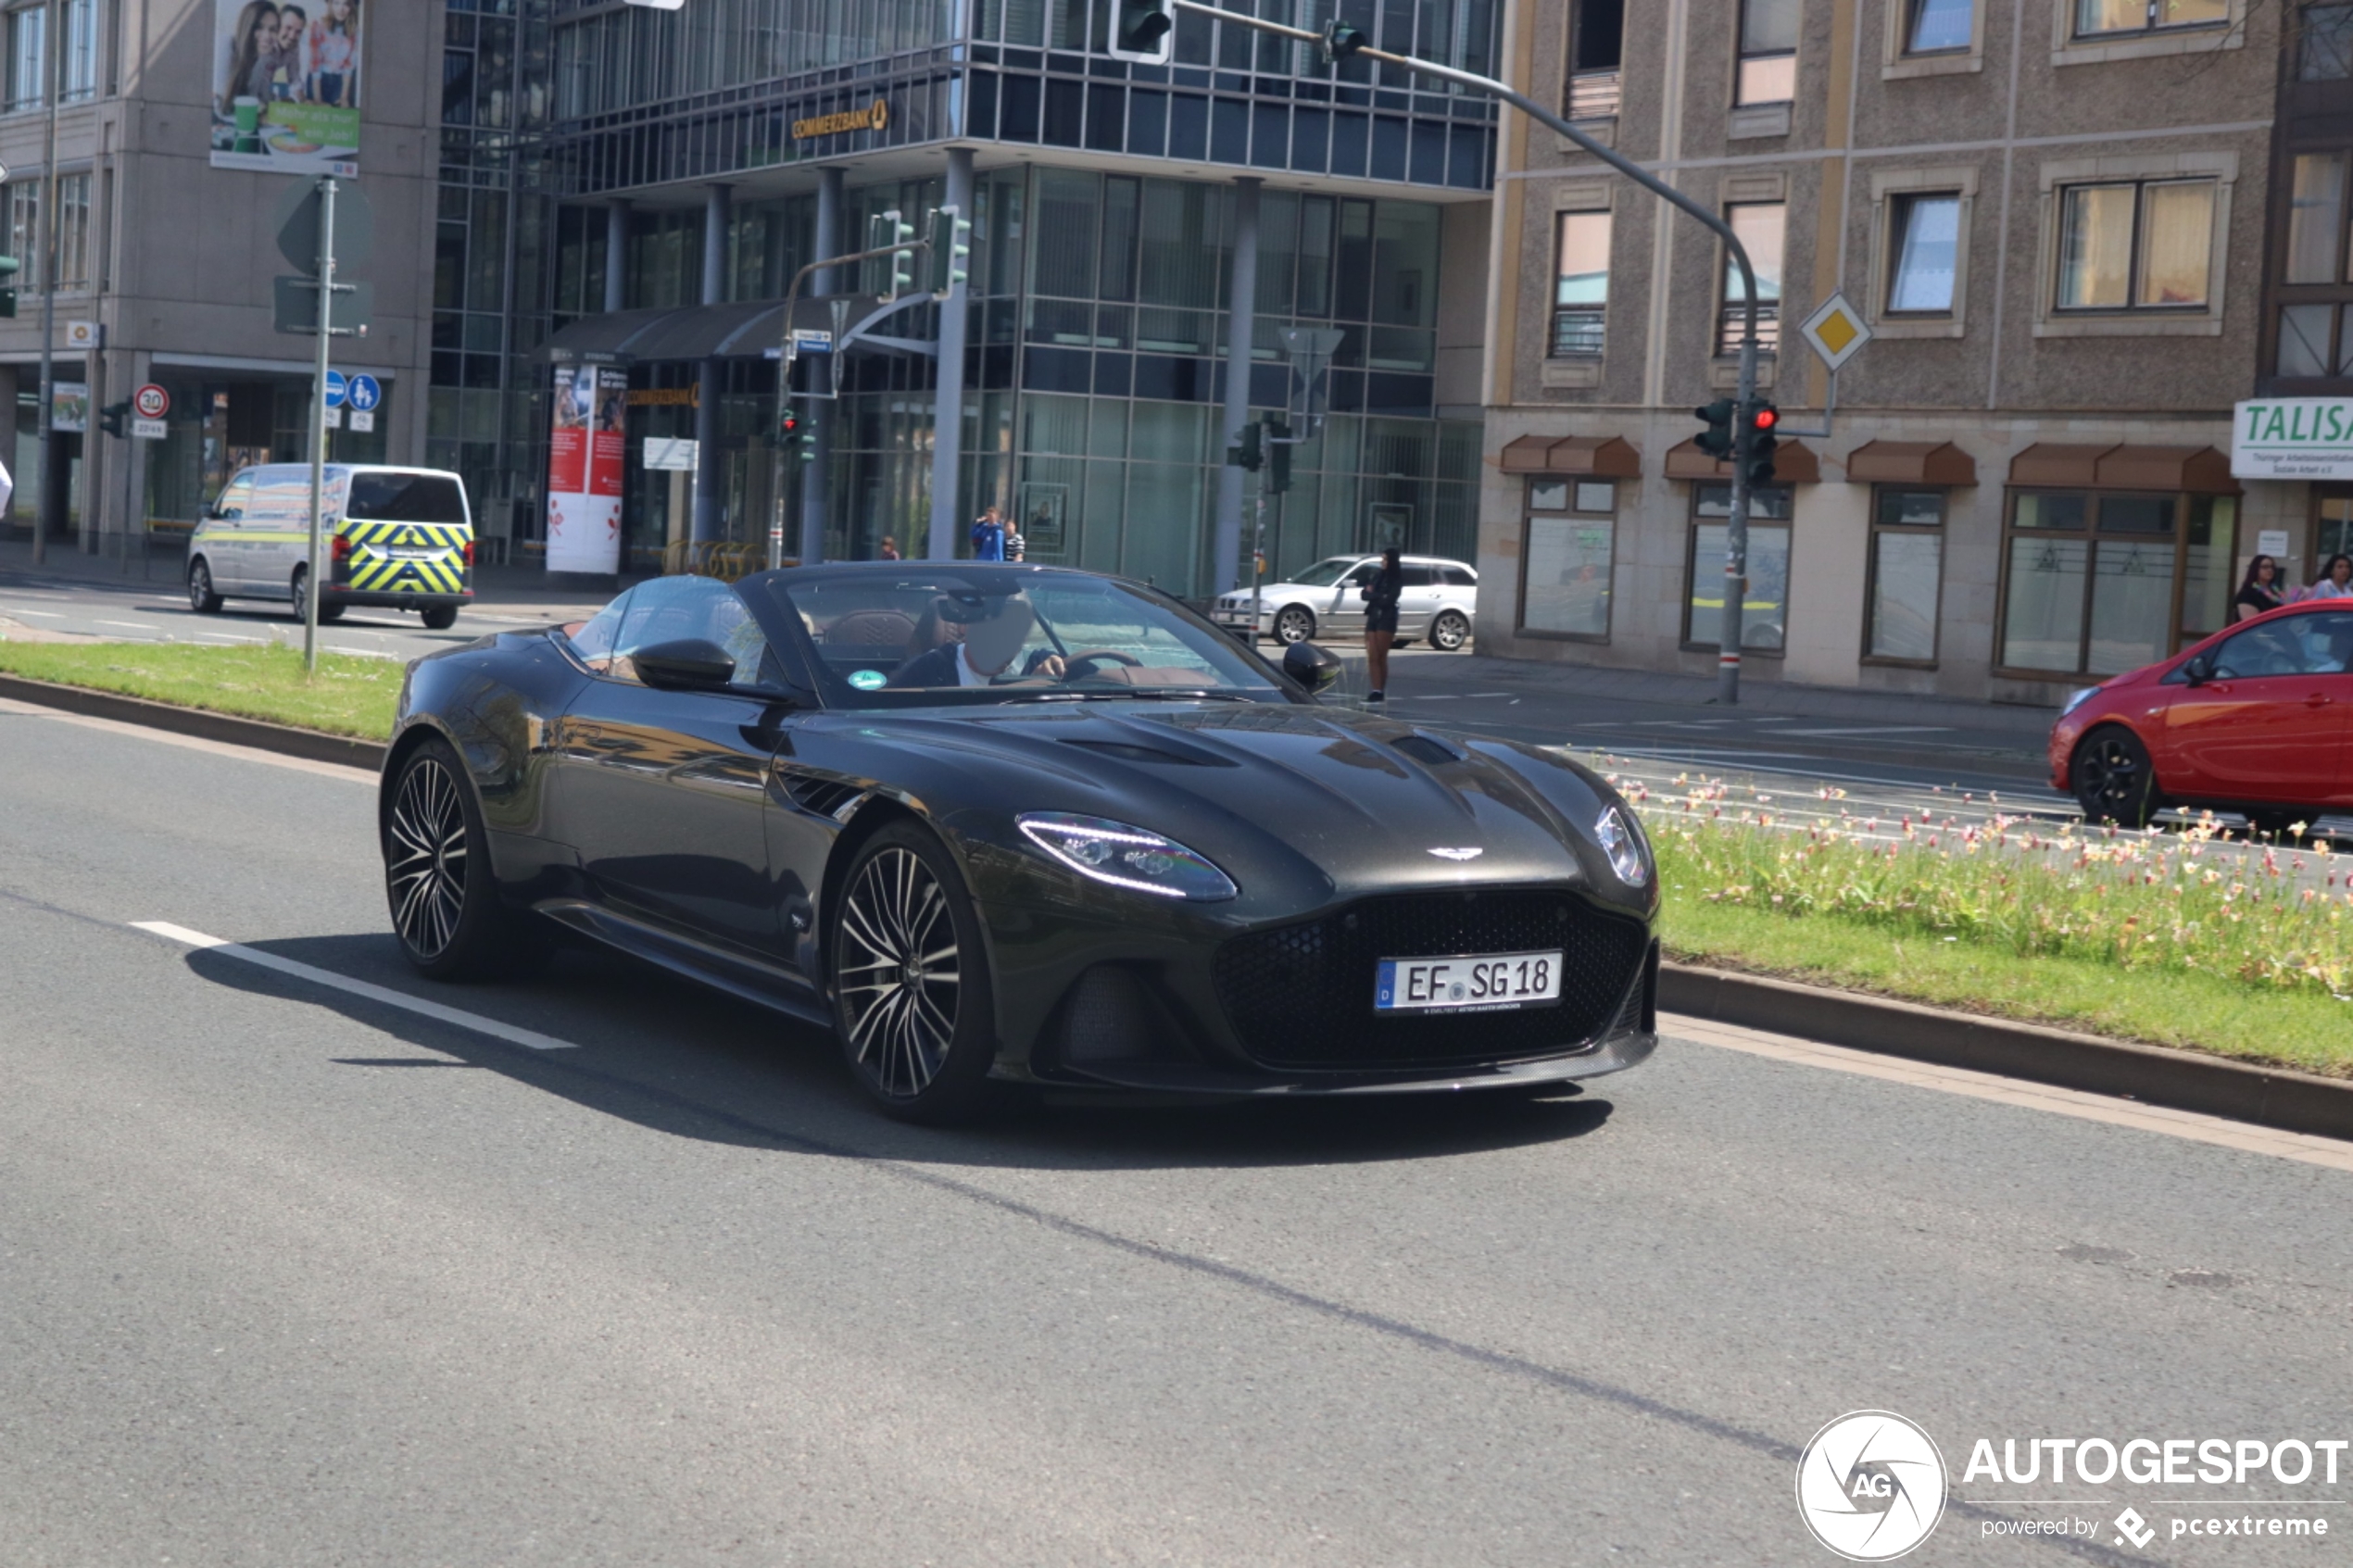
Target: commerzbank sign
point(2293, 438)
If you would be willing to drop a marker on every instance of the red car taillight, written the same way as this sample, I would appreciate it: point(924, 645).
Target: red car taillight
point(470, 552)
point(341, 549)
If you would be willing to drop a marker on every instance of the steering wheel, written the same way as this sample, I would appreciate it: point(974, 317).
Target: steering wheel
point(1078, 666)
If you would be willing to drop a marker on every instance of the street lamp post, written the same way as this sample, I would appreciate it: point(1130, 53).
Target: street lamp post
point(1338, 40)
point(53, 86)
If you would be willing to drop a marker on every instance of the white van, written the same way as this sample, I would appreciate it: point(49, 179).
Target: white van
point(397, 537)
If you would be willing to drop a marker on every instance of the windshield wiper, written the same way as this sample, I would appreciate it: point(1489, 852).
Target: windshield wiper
point(1134, 694)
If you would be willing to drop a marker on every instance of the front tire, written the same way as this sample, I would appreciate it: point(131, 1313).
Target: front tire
point(2114, 780)
point(1294, 623)
point(438, 881)
point(1449, 630)
point(912, 998)
point(201, 596)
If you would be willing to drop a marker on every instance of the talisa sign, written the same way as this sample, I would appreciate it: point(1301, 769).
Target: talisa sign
point(2293, 438)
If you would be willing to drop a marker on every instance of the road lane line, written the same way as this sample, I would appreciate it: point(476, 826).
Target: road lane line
point(43, 614)
point(530, 1039)
point(2306, 1148)
point(1879, 730)
point(129, 625)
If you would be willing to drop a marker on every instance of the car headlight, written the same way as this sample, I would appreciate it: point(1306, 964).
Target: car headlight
point(1622, 842)
point(2077, 700)
point(1126, 857)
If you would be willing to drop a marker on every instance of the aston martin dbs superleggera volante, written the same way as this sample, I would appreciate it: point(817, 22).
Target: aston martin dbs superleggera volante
point(1018, 823)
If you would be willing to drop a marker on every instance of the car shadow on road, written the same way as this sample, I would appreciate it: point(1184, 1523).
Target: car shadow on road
point(681, 1059)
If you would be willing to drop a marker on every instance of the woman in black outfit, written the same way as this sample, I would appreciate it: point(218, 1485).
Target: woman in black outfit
point(2261, 591)
point(1380, 596)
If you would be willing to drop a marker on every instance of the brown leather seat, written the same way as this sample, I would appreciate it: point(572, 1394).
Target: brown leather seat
point(872, 628)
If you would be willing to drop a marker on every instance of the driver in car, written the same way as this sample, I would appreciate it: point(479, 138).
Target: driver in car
point(994, 633)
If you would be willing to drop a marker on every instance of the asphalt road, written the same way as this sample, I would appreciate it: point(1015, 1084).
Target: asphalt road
point(289, 1276)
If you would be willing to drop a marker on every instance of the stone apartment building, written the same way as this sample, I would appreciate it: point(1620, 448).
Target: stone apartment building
point(2067, 223)
point(165, 243)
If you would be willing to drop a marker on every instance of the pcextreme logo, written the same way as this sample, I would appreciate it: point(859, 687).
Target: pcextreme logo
point(1870, 1486)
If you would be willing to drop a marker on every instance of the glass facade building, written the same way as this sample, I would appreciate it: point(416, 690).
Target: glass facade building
point(580, 139)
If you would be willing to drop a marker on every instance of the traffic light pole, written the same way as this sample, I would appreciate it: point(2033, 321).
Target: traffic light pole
point(1341, 39)
point(310, 581)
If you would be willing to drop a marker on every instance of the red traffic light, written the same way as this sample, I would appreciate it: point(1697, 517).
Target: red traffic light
point(791, 423)
point(1767, 417)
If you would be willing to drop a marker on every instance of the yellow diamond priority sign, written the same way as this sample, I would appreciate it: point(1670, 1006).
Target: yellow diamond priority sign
point(1836, 330)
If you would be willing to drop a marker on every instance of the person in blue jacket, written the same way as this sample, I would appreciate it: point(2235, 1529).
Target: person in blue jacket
point(989, 535)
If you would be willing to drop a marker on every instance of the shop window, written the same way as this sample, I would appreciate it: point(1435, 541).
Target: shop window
point(1759, 226)
point(1572, 546)
point(2105, 19)
point(1764, 621)
point(1580, 286)
point(1769, 52)
point(1906, 575)
point(2331, 526)
point(2098, 583)
point(2136, 245)
point(1938, 27)
point(1925, 250)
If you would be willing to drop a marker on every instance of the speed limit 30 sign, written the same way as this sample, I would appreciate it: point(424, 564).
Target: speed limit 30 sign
point(151, 402)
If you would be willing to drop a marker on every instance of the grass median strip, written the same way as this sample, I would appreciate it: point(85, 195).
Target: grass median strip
point(2180, 938)
point(349, 695)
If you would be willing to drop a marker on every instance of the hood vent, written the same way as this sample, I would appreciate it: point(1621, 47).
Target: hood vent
point(1426, 751)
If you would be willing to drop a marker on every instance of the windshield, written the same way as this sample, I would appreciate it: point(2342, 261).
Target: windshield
point(924, 636)
point(1324, 573)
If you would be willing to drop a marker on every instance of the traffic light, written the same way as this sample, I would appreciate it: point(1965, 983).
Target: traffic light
point(1763, 420)
point(891, 228)
point(112, 416)
point(1342, 41)
point(787, 426)
point(1278, 449)
point(8, 265)
point(1251, 453)
point(1143, 30)
point(951, 250)
point(1717, 439)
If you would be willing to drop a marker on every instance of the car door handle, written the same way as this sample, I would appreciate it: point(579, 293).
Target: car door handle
point(2318, 699)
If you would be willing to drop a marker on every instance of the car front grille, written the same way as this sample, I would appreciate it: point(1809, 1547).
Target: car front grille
point(1301, 996)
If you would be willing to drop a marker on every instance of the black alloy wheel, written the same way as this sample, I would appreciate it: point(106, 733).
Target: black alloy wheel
point(911, 987)
point(2114, 781)
point(440, 618)
point(444, 901)
point(1449, 630)
point(1295, 623)
point(301, 593)
point(201, 598)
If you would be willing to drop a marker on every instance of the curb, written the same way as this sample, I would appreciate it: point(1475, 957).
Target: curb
point(312, 745)
point(2266, 1096)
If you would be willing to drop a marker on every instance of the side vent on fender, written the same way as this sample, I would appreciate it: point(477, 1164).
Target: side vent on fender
point(820, 796)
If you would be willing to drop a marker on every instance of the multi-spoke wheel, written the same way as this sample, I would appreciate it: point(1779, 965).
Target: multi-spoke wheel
point(437, 877)
point(2114, 782)
point(1295, 624)
point(910, 990)
point(1449, 630)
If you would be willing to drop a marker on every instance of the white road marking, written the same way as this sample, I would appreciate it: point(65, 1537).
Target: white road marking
point(2221, 1131)
point(129, 625)
point(530, 1039)
point(194, 743)
point(1878, 729)
point(43, 614)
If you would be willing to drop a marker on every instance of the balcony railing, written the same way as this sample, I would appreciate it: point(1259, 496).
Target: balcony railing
point(1577, 332)
point(1593, 94)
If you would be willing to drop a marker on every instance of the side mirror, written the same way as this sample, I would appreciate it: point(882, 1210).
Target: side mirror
point(689, 664)
point(2198, 670)
point(1311, 667)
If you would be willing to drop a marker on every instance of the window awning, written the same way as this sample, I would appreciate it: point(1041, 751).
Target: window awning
point(1794, 463)
point(2199, 470)
point(1910, 462)
point(1599, 457)
point(746, 330)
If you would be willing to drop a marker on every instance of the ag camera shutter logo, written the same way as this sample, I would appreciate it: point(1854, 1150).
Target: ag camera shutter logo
point(1870, 1486)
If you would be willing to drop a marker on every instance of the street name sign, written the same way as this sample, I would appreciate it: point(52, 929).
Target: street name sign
point(2293, 438)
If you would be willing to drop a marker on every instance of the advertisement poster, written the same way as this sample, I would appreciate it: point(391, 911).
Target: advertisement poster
point(586, 451)
point(70, 405)
point(286, 86)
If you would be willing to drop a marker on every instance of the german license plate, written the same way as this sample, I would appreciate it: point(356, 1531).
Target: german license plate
point(1481, 981)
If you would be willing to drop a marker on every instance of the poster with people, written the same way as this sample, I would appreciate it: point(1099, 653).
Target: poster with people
point(587, 448)
point(286, 86)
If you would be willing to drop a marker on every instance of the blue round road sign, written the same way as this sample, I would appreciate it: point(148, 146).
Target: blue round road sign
point(364, 393)
point(336, 387)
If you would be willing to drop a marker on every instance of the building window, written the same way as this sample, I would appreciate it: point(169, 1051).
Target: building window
point(1571, 535)
point(2103, 18)
point(24, 230)
point(73, 231)
point(27, 52)
point(1759, 225)
point(1769, 52)
point(1906, 573)
point(1597, 47)
point(2314, 337)
point(2324, 53)
point(2096, 584)
point(80, 19)
point(1938, 27)
point(1580, 288)
point(1765, 615)
point(2145, 245)
point(1927, 241)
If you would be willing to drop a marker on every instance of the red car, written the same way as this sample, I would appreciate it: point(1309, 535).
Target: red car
point(2257, 720)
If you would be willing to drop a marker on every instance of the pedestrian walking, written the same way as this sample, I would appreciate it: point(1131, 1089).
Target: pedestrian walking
point(989, 535)
point(2261, 591)
point(2335, 580)
point(1017, 548)
point(1380, 595)
point(889, 547)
